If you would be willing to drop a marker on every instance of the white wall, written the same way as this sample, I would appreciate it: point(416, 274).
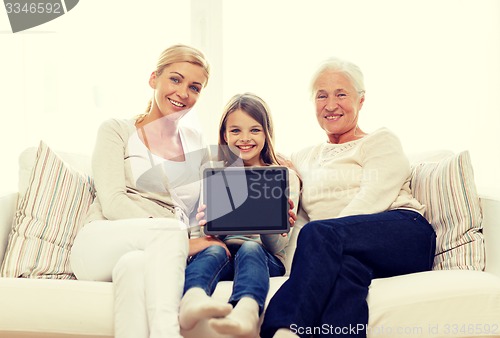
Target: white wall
point(59, 81)
point(432, 69)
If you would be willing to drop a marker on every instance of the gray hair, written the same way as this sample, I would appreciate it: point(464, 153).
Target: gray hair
point(349, 69)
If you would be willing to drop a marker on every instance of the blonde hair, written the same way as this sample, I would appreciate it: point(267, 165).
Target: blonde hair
point(178, 53)
point(257, 109)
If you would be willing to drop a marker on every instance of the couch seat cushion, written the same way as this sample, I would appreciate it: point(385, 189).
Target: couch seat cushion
point(455, 303)
point(52, 307)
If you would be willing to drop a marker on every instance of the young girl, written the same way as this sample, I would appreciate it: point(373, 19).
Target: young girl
point(246, 134)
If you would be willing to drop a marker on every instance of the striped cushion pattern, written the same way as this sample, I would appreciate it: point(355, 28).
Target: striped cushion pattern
point(448, 191)
point(47, 219)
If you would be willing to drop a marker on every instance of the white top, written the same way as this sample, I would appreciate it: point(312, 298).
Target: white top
point(365, 176)
point(183, 176)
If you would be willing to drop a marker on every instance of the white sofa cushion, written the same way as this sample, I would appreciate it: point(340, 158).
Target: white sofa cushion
point(50, 307)
point(47, 219)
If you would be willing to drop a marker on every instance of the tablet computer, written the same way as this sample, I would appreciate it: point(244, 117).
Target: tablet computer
point(246, 200)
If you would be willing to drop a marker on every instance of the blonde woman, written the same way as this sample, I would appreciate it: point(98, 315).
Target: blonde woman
point(146, 172)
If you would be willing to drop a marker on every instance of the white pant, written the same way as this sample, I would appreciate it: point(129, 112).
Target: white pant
point(146, 260)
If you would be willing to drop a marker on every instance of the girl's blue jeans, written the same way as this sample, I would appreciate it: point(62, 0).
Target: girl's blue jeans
point(333, 266)
point(250, 269)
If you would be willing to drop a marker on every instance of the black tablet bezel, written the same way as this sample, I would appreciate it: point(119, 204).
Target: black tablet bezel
point(247, 226)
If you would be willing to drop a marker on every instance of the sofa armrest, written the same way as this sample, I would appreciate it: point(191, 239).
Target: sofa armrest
point(7, 211)
point(491, 230)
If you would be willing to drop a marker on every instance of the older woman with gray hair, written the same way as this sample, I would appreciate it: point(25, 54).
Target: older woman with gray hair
point(364, 222)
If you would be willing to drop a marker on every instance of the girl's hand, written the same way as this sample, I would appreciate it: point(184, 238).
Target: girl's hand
point(293, 216)
point(200, 216)
point(291, 213)
point(199, 244)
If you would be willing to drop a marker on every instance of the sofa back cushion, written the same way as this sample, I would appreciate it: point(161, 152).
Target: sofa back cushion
point(48, 216)
point(447, 188)
point(27, 159)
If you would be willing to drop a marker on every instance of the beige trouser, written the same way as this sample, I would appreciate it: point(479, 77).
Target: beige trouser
point(145, 259)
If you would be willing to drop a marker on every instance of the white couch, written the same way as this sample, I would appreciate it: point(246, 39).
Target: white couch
point(454, 303)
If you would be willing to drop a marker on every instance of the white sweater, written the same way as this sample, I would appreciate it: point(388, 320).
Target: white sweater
point(365, 176)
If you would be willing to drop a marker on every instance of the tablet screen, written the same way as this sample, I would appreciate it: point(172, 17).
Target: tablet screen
point(246, 200)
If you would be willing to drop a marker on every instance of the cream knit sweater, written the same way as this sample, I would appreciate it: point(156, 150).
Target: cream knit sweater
point(365, 176)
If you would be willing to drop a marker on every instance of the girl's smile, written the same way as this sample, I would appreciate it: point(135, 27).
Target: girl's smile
point(245, 148)
point(245, 137)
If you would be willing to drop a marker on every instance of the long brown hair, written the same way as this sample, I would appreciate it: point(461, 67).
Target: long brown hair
point(256, 108)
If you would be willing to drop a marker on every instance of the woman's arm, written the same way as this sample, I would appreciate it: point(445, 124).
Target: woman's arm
point(385, 170)
point(108, 167)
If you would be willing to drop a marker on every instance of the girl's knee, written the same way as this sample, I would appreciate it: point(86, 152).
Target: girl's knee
point(215, 250)
point(250, 246)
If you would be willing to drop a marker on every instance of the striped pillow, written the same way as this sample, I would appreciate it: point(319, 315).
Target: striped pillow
point(47, 219)
point(449, 193)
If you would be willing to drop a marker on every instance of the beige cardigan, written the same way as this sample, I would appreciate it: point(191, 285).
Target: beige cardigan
point(118, 196)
